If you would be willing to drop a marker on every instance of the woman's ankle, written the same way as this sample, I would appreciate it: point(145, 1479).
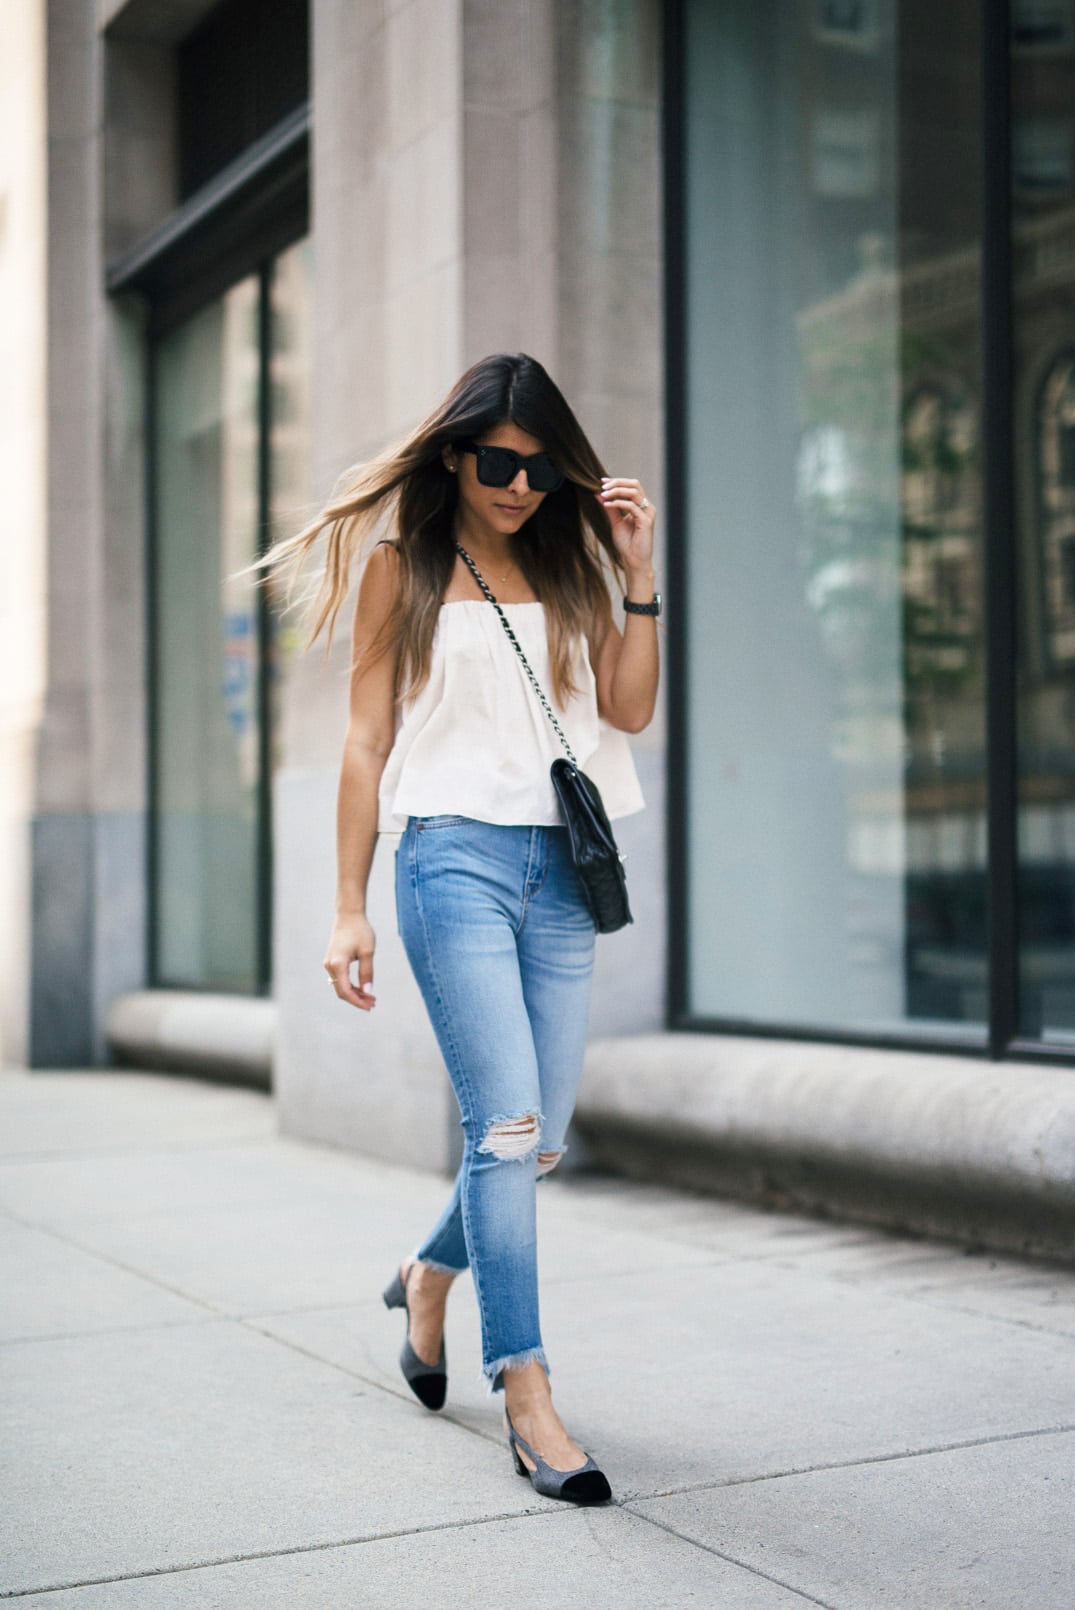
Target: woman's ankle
point(430, 1277)
point(526, 1389)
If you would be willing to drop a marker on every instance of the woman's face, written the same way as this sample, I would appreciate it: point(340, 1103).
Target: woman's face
point(501, 509)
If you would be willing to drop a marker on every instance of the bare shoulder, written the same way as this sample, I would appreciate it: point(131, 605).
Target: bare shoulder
point(383, 560)
point(379, 582)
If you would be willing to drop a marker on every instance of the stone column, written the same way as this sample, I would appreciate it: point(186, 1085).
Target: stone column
point(485, 179)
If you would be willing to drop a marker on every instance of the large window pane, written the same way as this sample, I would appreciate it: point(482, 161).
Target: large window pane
point(208, 742)
point(835, 688)
point(1043, 220)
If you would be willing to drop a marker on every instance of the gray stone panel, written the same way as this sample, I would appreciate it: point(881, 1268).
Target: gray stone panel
point(62, 979)
point(119, 914)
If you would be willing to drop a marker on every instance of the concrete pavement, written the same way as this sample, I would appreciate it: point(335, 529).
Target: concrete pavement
point(201, 1405)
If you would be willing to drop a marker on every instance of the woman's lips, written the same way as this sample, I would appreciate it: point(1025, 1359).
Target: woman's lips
point(511, 508)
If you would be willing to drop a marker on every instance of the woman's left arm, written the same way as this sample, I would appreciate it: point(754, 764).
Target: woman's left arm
point(626, 664)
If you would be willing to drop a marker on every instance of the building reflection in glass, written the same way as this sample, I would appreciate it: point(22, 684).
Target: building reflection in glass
point(1043, 271)
point(836, 692)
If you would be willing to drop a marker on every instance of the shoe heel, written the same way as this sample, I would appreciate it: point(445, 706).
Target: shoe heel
point(394, 1294)
point(520, 1468)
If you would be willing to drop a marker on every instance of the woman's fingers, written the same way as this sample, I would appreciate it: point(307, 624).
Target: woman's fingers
point(365, 980)
point(338, 972)
point(620, 492)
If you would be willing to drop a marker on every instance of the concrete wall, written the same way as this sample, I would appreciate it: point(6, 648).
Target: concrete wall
point(22, 470)
point(486, 177)
point(73, 886)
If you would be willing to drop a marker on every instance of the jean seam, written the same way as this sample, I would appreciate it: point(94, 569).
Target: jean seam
point(529, 894)
point(464, 1081)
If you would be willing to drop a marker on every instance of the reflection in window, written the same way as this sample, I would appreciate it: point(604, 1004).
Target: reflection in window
point(834, 732)
point(1056, 495)
point(1040, 26)
point(208, 734)
point(1043, 270)
point(850, 24)
point(1042, 155)
point(218, 653)
point(941, 574)
point(847, 154)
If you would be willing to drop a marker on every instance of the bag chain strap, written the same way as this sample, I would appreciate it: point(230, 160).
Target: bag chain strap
point(534, 683)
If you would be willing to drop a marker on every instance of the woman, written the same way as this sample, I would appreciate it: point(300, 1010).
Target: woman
point(448, 743)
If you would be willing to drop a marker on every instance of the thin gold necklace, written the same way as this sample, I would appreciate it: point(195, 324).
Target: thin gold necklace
point(502, 578)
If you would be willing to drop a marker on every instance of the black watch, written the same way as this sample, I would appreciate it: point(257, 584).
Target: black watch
point(643, 609)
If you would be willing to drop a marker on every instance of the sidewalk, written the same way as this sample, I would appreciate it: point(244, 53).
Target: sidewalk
point(201, 1407)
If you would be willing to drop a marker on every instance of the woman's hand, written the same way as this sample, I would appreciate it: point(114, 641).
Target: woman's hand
point(352, 940)
point(632, 517)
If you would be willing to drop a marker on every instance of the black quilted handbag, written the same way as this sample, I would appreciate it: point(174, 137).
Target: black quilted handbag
point(598, 861)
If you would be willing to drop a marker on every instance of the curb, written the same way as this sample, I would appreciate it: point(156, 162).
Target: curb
point(229, 1037)
point(970, 1150)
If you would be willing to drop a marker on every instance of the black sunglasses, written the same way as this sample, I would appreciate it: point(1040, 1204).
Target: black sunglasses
point(498, 466)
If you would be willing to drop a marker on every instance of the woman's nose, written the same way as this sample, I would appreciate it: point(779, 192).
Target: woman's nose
point(520, 485)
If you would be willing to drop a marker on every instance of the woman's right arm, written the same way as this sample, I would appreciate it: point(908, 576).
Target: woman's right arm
point(370, 735)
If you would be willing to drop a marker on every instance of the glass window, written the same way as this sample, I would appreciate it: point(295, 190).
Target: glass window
point(1043, 268)
point(217, 654)
point(207, 719)
point(834, 805)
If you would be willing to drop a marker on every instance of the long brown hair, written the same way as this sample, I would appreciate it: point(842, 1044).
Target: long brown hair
point(562, 550)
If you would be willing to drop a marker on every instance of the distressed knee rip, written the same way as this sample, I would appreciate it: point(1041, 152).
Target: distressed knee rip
point(547, 1161)
point(512, 1137)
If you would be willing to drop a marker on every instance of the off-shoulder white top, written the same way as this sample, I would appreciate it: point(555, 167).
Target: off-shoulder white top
point(476, 741)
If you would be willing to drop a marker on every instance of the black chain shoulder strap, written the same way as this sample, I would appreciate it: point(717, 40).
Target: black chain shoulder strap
point(534, 683)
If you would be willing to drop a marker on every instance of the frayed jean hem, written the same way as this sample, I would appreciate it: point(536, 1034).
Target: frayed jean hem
point(494, 1373)
point(441, 1268)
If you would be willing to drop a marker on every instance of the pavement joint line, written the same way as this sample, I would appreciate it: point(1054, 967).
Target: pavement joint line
point(731, 1559)
point(211, 1314)
point(982, 1313)
point(851, 1464)
point(118, 1263)
point(299, 1548)
point(108, 1330)
point(388, 1388)
point(89, 1154)
point(219, 1316)
point(625, 1505)
point(934, 1299)
point(942, 1257)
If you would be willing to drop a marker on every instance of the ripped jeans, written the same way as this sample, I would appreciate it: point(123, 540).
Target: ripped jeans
point(501, 942)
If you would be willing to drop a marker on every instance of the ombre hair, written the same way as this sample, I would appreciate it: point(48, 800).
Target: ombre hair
point(565, 549)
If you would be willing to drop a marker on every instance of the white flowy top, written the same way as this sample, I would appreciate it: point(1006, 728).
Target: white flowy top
point(476, 741)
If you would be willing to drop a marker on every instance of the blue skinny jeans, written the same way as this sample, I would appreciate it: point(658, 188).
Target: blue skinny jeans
point(501, 942)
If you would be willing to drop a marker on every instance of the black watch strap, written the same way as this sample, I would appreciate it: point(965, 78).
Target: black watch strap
point(653, 608)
